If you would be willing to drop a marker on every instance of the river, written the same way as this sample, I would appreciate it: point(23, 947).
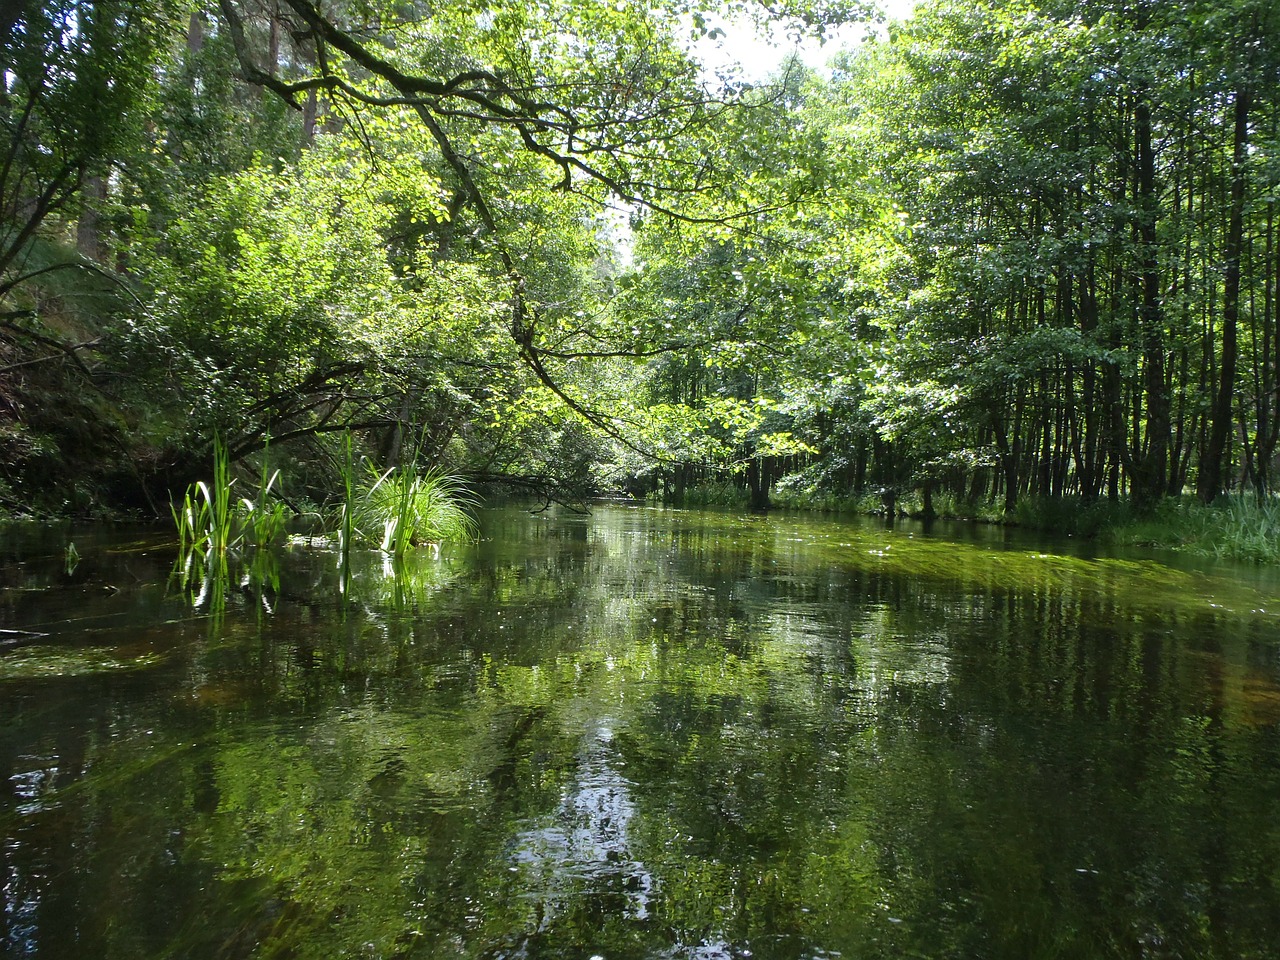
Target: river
point(641, 733)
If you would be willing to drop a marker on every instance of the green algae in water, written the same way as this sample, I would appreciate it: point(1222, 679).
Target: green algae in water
point(1141, 585)
point(39, 662)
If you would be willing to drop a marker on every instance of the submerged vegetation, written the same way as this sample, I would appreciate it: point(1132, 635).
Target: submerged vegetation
point(1009, 261)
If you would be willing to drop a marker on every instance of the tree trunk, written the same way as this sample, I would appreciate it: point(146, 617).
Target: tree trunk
point(93, 194)
point(1210, 481)
point(1151, 455)
point(195, 33)
point(758, 477)
point(310, 113)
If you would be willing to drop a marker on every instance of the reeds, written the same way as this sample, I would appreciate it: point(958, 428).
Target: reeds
point(395, 510)
point(210, 521)
point(262, 519)
point(400, 509)
point(204, 519)
point(346, 514)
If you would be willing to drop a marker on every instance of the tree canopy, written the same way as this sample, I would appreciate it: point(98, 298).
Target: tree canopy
point(999, 253)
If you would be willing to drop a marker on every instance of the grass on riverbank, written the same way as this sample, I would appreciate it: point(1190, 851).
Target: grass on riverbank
point(1239, 527)
point(1235, 528)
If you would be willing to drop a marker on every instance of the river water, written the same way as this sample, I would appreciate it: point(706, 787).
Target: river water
point(639, 734)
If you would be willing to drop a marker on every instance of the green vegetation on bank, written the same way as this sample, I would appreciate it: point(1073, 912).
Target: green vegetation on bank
point(1013, 261)
point(1239, 527)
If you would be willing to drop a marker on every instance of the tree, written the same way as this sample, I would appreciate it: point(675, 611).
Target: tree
point(76, 84)
point(604, 103)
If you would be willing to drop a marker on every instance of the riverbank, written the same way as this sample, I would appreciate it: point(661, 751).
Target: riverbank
point(1237, 527)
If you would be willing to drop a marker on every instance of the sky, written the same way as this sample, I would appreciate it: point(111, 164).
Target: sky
point(759, 55)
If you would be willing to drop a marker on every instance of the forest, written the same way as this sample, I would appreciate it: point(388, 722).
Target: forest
point(1006, 259)
point(433, 326)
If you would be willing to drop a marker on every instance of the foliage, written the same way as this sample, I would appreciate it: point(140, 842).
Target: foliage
point(76, 86)
point(716, 493)
point(1007, 259)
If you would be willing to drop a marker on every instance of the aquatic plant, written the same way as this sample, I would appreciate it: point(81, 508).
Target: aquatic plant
point(396, 510)
point(209, 520)
point(62, 661)
point(346, 513)
point(262, 520)
point(401, 508)
point(211, 523)
point(204, 518)
point(192, 521)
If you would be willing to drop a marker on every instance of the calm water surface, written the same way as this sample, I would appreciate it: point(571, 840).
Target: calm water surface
point(640, 734)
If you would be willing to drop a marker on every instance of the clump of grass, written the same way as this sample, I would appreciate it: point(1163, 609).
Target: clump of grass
point(262, 519)
point(401, 508)
point(209, 520)
point(396, 509)
point(204, 519)
point(1250, 530)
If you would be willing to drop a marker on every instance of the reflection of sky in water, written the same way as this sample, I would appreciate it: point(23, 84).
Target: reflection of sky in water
point(32, 785)
point(21, 892)
point(584, 843)
point(20, 909)
point(582, 849)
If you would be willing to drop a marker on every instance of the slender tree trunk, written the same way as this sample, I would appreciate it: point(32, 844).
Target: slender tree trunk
point(1212, 467)
point(1270, 366)
point(93, 194)
point(759, 474)
point(1089, 462)
point(310, 116)
point(195, 33)
point(273, 40)
point(1150, 464)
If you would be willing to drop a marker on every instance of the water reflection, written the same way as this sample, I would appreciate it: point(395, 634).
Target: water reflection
point(642, 734)
point(583, 848)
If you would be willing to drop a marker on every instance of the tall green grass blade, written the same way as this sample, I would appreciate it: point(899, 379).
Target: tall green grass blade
point(346, 519)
